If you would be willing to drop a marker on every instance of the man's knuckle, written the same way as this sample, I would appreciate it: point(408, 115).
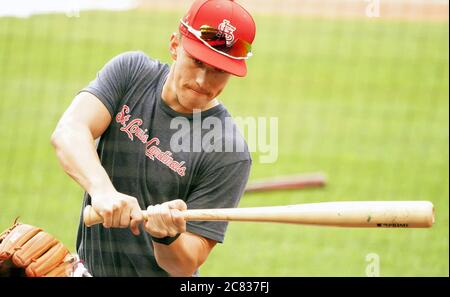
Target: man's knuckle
point(166, 215)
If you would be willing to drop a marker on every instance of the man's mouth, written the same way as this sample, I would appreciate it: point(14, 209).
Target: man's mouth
point(198, 91)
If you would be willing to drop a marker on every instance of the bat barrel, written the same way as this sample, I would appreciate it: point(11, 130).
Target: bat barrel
point(377, 214)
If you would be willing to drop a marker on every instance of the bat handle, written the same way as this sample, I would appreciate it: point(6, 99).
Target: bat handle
point(91, 217)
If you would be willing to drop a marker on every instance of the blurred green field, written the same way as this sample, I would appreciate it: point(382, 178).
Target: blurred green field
point(365, 101)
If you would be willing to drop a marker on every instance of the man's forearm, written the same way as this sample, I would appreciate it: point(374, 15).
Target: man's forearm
point(77, 154)
point(183, 256)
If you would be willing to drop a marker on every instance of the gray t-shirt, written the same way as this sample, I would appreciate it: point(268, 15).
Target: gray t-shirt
point(136, 152)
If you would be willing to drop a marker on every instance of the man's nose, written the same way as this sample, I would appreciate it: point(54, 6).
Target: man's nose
point(201, 77)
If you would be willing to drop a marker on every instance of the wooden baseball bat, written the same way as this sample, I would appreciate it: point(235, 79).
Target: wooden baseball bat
point(378, 214)
point(295, 182)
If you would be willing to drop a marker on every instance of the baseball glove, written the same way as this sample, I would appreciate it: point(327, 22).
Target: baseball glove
point(26, 250)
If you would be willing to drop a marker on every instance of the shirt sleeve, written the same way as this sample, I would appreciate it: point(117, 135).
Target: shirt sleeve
point(222, 188)
point(115, 79)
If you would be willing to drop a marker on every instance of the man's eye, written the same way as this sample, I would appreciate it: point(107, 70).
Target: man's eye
point(198, 62)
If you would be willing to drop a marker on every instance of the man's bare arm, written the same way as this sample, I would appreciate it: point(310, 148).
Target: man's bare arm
point(74, 141)
point(185, 255)
point(188, 252)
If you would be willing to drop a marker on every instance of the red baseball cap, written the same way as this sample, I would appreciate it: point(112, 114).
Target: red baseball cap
point(229, 17)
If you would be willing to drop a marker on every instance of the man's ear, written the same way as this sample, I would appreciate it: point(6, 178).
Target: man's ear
point(173, 46)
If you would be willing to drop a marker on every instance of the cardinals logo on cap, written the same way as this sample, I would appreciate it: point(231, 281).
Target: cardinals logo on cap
point(227, 29)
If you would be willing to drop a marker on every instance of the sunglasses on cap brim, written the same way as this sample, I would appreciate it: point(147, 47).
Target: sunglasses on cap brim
point(215, 39)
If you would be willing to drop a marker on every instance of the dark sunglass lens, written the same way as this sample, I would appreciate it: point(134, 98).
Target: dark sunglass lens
point(220, 44)
point(209, 33)
point(216, 39)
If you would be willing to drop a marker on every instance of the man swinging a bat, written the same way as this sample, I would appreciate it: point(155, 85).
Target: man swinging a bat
point(131, 107)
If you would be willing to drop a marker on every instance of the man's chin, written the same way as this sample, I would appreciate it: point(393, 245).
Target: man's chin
point(191, 106)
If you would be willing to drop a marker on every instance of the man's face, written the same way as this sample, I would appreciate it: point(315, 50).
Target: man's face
point(196, 83)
